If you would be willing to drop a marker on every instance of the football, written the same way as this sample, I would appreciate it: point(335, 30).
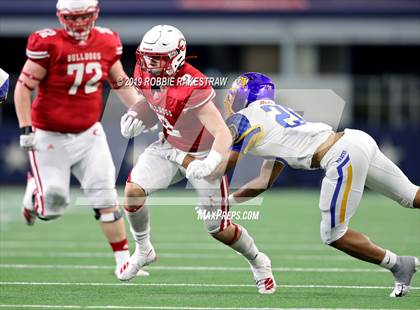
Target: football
point(145, 114)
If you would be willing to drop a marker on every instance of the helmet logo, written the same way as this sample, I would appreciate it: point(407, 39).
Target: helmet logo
point(182, 44)
point(244, 81)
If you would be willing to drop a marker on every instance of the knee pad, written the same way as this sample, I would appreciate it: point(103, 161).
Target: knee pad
point(55, 197)
point(329, 235)
point(55, 202)
point(108, 217)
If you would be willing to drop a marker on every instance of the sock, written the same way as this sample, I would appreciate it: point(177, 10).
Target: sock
point(389, 260)
point(245, 245)
point(121, 252)
point(139, 227)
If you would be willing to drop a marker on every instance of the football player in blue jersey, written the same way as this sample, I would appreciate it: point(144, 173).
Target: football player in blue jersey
point(351, 160)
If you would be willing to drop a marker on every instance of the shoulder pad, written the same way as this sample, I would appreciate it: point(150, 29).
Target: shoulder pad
point(238, 124)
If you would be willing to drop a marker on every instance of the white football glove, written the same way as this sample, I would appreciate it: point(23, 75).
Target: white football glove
point(173, 155)
point(130, 125)
point(200, 169)
point(27, 138)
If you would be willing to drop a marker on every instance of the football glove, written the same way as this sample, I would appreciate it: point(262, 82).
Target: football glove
point(27, 138)
point(200, 169)
point(130, 125)
point(173, 155)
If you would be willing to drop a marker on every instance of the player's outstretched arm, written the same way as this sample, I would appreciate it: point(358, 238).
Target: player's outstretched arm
point(270, 170)
point(118, 81)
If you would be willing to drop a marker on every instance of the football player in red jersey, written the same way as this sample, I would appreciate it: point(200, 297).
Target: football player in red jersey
point(61, 128)
point(193, 124)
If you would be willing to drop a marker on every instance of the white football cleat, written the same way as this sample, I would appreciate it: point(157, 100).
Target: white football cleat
point(263, 275)
point(140, 273)
point(28, 211)
point(407, 267)
point(133, 266)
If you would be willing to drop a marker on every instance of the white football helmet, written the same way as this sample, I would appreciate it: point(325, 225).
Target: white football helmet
point(78, 16)
point(162, 51)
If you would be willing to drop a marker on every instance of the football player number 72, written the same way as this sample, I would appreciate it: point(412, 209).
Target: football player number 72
point(79, 69)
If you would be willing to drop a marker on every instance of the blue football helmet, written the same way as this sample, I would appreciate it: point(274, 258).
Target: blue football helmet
point(247, 88)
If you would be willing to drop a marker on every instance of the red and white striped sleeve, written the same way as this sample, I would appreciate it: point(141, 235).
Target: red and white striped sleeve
point(37, 49)
point(118, 47)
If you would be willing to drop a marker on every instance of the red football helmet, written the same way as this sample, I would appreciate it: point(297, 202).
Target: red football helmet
point(78, 16)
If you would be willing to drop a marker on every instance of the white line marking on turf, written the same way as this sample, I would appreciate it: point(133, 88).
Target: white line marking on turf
point(42, 306)
point(169, 255)
point(194, 285)
point(176, 244)
point(191, 268)
point(167, 307)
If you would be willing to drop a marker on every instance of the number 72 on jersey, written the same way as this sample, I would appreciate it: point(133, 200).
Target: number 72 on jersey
point(78, 70)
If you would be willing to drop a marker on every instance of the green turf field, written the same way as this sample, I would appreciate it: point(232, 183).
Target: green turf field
point(67, 264)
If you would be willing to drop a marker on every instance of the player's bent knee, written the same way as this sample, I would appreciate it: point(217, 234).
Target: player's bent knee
point(134, 190)
point(108, 215)
point(135, 197)
point(102, 197)
point(329, 235)
point(228, 236)
point(220, 235)
point(55, 197)
point(213, 227)
point(416, 202)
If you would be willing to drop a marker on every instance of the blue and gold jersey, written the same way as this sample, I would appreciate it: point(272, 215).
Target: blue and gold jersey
point(244, 135)
point(266, 129)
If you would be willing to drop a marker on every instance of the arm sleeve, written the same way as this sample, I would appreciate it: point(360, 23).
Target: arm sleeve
point(38, 49)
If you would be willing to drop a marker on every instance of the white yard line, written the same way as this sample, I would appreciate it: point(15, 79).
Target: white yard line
point(167, 255)
point(43, 306)
point(166, 307)
point(178, 245)
point(191, 268)
point(192, 285)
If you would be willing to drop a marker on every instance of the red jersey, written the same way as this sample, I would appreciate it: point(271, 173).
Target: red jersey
point(177, 105)
point(69, 98)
